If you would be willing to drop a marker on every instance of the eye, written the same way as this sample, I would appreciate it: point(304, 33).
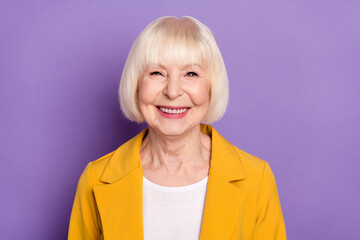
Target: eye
point(156, 73)
point(191, 74)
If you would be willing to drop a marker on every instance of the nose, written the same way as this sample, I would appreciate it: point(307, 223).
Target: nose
point(173, 87)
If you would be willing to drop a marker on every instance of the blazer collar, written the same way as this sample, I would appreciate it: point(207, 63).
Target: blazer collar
point(224, 158)
point(120, 202)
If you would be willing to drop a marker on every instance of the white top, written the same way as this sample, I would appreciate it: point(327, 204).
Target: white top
point(173, 212)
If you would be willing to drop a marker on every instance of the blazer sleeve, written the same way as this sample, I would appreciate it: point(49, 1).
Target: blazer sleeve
point(270, 222)
point(84, 220)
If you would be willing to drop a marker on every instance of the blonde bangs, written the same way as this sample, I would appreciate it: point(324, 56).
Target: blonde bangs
point(173, 44)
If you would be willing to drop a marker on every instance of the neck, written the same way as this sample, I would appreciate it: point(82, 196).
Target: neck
point(173, 153)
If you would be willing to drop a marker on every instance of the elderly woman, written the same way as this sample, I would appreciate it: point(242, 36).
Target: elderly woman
point(179, 178)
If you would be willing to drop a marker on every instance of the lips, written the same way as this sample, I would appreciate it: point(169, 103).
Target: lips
point(173, 112)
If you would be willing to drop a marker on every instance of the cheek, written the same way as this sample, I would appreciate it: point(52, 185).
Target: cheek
point(147, 92)
point(199, 94)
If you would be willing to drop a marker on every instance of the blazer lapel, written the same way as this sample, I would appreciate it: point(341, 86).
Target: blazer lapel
point(223, 209)
point(120, 200)
point(120, 207)
point(224, 201)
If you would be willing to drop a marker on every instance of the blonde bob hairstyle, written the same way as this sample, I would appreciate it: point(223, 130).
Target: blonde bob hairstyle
point(172, 40)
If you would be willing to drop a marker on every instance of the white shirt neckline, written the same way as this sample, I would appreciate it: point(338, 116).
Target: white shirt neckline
point(185, 188)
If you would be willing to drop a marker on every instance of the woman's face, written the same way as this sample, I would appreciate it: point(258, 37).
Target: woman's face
point(174, 99)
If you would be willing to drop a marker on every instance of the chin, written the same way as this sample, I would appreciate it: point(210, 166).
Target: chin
point(175, 129)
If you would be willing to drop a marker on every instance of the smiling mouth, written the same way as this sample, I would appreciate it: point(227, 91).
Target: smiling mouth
point(173, 110)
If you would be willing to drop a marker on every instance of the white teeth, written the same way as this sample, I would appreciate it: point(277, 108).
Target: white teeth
point(173, 111)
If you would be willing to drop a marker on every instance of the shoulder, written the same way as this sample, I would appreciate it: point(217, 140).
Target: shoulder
point(256, 170)
point(94, 170)
point(248, 167)
point(98, 165)
point(252, 164)
point(116, 164)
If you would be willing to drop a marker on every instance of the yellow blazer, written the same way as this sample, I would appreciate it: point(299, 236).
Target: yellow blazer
point(241, 199)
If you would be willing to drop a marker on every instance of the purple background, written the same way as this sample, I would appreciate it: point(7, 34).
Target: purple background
point(294, 102)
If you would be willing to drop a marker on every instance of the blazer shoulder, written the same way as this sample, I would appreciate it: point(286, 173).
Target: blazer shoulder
point(254, 167)
point(249, 160)
point(97, 167)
